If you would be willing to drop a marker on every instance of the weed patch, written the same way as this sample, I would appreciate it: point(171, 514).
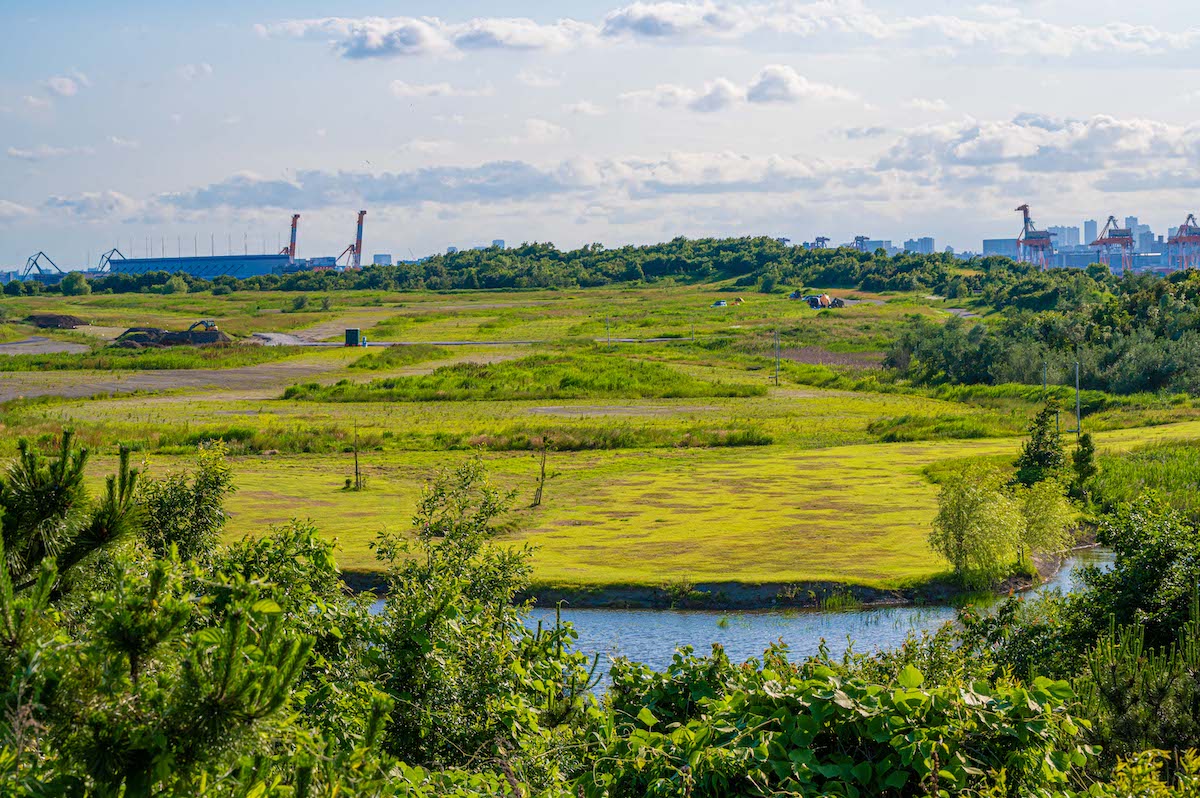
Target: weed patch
point(397, 356)
point(172, 358)
point(542, 376)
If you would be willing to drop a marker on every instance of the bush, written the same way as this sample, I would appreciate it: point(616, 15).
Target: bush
point(75, 284)
point(175, 285)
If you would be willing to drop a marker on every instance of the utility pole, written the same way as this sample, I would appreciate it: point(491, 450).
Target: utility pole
point(357, 475)
point(777, 358)
point(1079, 421)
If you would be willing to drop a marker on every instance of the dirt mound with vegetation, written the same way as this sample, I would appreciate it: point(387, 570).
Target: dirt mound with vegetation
point(55, 321)
point(154, 338)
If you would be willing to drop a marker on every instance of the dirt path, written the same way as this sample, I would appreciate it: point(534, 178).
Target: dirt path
point(41, 345)
point(265, 379)
point(363, 319)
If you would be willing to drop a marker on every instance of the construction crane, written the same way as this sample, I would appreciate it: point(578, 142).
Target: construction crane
point(1033, 245)
point(1120, 237)
point(35, 262)
point(353, 253)
point(821, 242)
point(107, 257)
point(860, 243)
point(1183, 248)
point(290, 249)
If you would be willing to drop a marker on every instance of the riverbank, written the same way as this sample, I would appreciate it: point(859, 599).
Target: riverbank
point(741, 596)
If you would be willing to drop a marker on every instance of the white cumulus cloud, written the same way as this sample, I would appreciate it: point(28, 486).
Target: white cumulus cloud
point(44, 152)
point(780, 83)
point(776, 83)
point(584, 108)
point(194, 71)
point(401, 88)
point(12, 210)
point(95, 205)
point(539, 78)
point(931, 106)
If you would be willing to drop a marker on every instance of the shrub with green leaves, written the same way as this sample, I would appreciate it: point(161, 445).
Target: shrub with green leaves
point(709, 727)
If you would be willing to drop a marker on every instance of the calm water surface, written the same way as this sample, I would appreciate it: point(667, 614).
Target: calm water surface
point(652, 636)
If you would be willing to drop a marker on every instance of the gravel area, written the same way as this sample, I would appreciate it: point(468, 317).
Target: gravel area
point(41, 345)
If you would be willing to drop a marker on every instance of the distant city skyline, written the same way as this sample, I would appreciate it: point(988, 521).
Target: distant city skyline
point(585, 121)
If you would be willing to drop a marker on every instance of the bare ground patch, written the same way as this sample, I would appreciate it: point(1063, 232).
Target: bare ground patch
point(819, 356)
point(41, 345)
point(260, 381)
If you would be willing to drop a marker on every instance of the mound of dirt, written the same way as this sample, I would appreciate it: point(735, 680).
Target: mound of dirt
point(152, 337)
point(195, 338)
point(55, 321)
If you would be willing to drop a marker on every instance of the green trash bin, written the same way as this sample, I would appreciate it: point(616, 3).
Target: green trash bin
point(352, 337)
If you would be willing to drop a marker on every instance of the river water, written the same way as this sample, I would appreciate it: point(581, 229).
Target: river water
point(652, 636)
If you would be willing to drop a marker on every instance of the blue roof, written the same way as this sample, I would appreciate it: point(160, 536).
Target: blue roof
point(204, 267)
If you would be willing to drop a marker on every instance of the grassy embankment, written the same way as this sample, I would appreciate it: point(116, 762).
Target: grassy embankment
point(643, 489)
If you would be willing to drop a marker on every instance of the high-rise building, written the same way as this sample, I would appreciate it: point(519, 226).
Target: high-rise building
point(382, 259)
point(922, 246)
point(498, 243)
point(1091, 231)
point(1005, 247)
point(1064, 236)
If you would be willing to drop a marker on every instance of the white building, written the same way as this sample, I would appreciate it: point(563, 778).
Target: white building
point(1064, 236)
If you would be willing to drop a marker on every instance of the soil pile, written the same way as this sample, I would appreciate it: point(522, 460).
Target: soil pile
point(55, 321)
point(154, 338)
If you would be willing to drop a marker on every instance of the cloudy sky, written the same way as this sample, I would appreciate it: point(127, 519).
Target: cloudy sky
point(577, 122)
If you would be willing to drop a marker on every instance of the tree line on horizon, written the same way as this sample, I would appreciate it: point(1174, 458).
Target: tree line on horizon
point(1131, 334)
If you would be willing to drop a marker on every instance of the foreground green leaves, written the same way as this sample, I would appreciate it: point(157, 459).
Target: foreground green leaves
point(709, 727)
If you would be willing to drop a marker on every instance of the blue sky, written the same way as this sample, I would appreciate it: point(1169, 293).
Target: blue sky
point(457, 123)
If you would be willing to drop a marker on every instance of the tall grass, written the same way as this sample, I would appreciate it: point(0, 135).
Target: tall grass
point(171, 358)
point(397, 356)
point(1172, 468)
point(541, 376)
point(909, 428)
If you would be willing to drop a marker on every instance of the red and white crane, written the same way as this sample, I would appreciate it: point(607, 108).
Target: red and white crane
point(1183, 248)
point(1033, 245)
point(290, 249)
point(353, 253)
point(1121, 238)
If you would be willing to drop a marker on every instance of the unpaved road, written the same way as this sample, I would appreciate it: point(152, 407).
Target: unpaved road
point(41, 345)
point(264, 379)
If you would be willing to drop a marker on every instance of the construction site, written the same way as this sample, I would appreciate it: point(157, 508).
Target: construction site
point(42, 268)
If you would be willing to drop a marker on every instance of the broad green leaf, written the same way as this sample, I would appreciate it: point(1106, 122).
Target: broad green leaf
point(267, 607)
point(647, 717)
point(910, 677)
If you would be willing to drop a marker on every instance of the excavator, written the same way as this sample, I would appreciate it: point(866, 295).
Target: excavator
point(207, 324)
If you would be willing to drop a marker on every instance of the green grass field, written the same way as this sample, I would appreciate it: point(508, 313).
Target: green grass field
point(669, 460)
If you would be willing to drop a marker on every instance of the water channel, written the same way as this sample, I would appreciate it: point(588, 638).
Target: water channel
point(652, 636)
